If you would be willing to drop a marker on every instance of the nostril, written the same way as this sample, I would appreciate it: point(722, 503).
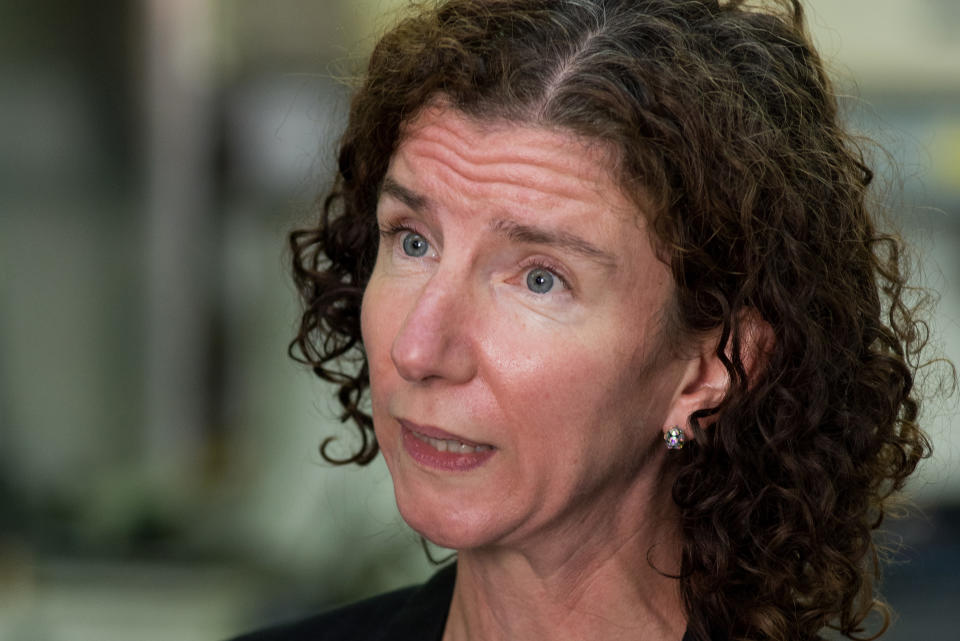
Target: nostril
point(417, 348)
point(433, 344)
point(410, 358)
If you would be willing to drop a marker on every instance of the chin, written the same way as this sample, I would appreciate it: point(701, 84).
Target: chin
point(454, 536)
point(457, 529)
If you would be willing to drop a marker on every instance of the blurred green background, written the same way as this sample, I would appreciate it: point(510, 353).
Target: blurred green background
point(159, 474)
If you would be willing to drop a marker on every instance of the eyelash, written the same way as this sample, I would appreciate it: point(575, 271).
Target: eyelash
point(394, 229)
point(539, 263)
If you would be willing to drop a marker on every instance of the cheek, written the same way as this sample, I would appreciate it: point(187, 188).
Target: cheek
point(376, 328)
point(555, 383)
point(377, 332)
point(570, 394)
point(367, 314)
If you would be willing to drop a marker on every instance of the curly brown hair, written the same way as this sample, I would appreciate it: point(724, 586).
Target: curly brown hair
point(728, 133)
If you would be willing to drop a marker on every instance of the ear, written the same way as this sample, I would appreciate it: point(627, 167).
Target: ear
point(705, 380)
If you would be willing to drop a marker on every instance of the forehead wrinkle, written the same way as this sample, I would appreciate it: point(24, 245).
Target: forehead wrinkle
point(553, 170)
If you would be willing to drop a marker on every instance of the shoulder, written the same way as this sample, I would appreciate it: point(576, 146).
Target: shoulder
point(355, 622)
point(418, 612)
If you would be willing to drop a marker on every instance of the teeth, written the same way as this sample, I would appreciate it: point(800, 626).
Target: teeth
point(451, 445)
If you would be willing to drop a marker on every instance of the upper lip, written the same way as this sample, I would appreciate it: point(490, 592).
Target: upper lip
point(436, 432)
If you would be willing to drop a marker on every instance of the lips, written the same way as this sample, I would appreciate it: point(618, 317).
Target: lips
point(436, 433)
point(439, 449)
point(451, 445)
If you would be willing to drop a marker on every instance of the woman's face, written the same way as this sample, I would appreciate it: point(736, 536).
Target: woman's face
point(519, 379)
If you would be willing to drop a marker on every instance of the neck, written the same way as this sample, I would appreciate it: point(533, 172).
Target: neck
point(604, 581)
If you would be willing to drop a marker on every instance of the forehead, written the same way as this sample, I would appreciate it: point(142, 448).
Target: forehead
point(493, 155)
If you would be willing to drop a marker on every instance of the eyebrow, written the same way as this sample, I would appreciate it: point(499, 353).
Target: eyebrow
point(417, 202)
point(522, 233)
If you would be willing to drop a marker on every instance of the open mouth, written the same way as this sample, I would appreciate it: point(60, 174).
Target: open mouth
point(451, 445)
point(438, 449)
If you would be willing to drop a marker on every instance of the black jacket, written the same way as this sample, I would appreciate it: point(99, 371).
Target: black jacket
point(411, 614)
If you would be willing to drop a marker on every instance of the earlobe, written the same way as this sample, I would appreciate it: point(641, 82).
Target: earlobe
point(706, 380)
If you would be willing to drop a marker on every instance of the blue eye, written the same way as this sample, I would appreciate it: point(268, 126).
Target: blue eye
point(415, 245)
point(539, 280)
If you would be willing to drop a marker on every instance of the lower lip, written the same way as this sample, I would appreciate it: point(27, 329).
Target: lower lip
point(429, 456)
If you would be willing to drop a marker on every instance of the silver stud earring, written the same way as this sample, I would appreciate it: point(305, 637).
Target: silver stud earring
point(674, 438)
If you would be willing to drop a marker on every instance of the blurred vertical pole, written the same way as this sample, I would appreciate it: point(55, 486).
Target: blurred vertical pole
point(178, 87)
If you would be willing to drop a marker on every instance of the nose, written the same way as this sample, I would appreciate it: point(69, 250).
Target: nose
point(435, 342)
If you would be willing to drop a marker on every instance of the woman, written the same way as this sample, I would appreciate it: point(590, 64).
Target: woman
point(634, 345)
